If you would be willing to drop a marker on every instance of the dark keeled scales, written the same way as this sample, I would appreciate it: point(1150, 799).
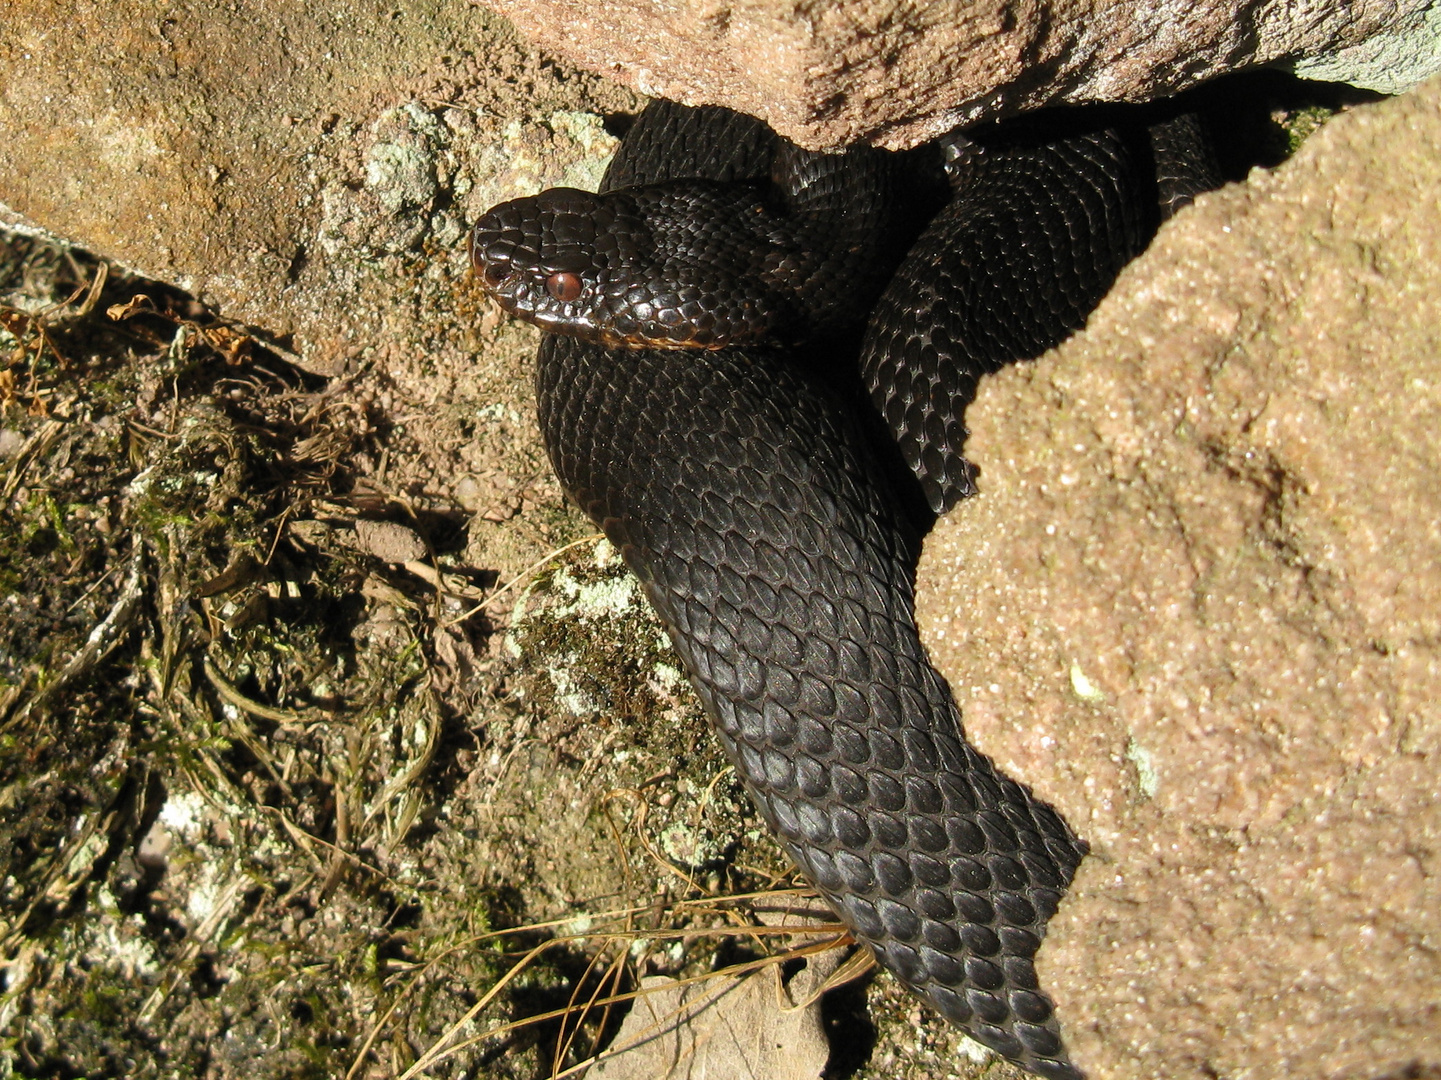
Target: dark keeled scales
point(740, 489)
point(1041, 224)
point(708, 260)
point(1009, 269)
point(741, 494)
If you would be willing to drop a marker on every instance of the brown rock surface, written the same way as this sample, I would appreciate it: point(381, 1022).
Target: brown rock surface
point(306, 168)
point(827, 73)
point(1197, 605)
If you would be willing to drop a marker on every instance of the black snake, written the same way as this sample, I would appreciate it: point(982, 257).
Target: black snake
point(774, 533)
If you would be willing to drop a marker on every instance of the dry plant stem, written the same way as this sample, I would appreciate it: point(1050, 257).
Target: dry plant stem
point(306, 839)
point(228, 692)
point(390, 1009)
point(522, 576)
point(837, 935)
point(413, 772)
point(566, 1037)
point(58, 866)
point(22, 324)
point(203, 934)
point(103, 637)
point(36, 447)
point(438, 1052)
point(642, 811)
point(855, 966)
point(436, 1055)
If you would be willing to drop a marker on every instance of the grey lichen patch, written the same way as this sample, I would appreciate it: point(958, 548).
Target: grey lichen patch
point(403, 193)
point(589, 630)
point(596, 651)
point(422, 165)
point(691, 847)
point(402, 167)
point(563, 149)
point(585, 131)
point(1392, 61)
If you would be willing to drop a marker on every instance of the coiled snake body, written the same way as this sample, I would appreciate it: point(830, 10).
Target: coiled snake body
point(744, 485)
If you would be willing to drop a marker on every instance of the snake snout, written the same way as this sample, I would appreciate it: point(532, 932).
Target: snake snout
point(495, 242)
point(661, 266)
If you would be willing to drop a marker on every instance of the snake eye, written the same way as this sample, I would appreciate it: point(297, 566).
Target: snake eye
point(564, 286)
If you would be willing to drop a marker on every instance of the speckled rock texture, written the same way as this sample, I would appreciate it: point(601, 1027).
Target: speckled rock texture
point(827, 74)
point(306, 168)
point(1197, 605)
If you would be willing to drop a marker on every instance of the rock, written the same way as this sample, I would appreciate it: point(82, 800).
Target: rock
point(1197, 605)
point(306, 169)
point(310, 171)
point(1390, 61)
point(389, 541)
point(836, 73)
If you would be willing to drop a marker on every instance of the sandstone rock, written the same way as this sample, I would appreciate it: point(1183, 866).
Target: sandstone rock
point(311, 171)
point(828, 74)
point(1198, 606)
point(308, 169)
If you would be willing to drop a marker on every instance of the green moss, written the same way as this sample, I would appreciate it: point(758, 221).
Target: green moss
point(1301, 124)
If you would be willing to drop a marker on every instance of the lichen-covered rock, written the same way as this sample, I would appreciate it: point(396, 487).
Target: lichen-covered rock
point(1198, 606)
point(828, 74)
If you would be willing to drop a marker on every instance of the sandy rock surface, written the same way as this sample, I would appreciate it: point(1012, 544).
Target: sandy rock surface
point(828, 74)
point(306, 168)
point(1196, 605)
point(309, 172)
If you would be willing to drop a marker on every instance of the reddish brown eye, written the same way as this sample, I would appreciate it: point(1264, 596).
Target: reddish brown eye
point(564, 287)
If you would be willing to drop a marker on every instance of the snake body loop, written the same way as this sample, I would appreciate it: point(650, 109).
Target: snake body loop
point(1043, 218)
point(742, 486)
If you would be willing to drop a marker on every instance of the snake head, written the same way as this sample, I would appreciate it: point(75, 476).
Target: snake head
point(547, 259)
point(653, 267)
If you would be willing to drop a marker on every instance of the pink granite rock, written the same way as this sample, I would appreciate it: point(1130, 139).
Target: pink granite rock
point(828, 74)
point(1197, 604)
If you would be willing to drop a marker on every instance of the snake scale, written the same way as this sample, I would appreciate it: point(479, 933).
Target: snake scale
point(711, 395)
